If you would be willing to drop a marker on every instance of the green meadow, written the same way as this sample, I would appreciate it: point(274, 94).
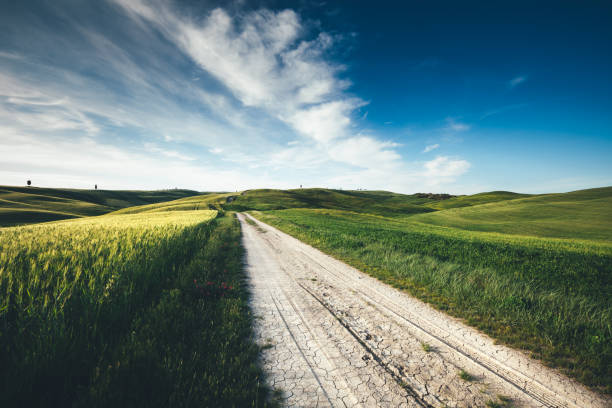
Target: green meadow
point(577, 215)
point(475, 199)
point(143, 309)
point(534, 272)
point(27, 205)
point(211, 201)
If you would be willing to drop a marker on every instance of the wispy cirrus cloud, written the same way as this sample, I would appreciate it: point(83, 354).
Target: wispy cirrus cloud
point(514, 82)
point(455, 125)
point(28, 107)
point(10, 55)
point(84, 161)
point(264, 63)
point(503, 109)
point(153, 148)
point(429, 148)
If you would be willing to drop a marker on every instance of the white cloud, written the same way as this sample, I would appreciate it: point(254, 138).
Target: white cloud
point(429, 148)
point(365, 152)
point(265, 64)
point(35, 110)
point(262, 61)
point(10, 55)
point(516, 81)
point(151, 147)
point(503, 109)
point(299, 157)
point(443, 169)
point(83, 162)
point(432, 177)
point(455, 126)
point(324, 122)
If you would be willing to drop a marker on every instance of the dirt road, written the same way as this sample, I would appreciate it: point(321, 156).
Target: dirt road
point(334, 336)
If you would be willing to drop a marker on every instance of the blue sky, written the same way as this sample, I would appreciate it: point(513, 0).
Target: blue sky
point(440, 96)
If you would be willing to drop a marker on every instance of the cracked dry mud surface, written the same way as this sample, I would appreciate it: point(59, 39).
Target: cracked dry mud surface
point(334, 336)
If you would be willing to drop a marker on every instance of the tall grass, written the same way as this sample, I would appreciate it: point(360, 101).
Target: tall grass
point(549, 296)
point(108, 311)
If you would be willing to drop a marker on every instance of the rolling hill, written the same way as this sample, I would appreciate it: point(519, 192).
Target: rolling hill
point(211, 201)
point(372, 202)
point(583, 214)
point(476, 199)
point(27, 205)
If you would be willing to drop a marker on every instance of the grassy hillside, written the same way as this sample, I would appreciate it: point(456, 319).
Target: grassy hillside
point(373, 202)
point(215, 201)
point(585, 214)
point(27, 205)
point(143, 310)
point(533, 272)
point(24, 205)
point(475, 199)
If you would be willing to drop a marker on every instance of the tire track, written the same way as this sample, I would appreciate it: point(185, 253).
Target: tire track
point(532, 387)
point(297, 345)
point(417, 398)
point(301, 345)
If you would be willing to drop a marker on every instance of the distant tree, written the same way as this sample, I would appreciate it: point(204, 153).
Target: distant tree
point(96, 186)
point(29, 183)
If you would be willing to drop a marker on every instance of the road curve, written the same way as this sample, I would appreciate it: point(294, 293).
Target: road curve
point(334, 337)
